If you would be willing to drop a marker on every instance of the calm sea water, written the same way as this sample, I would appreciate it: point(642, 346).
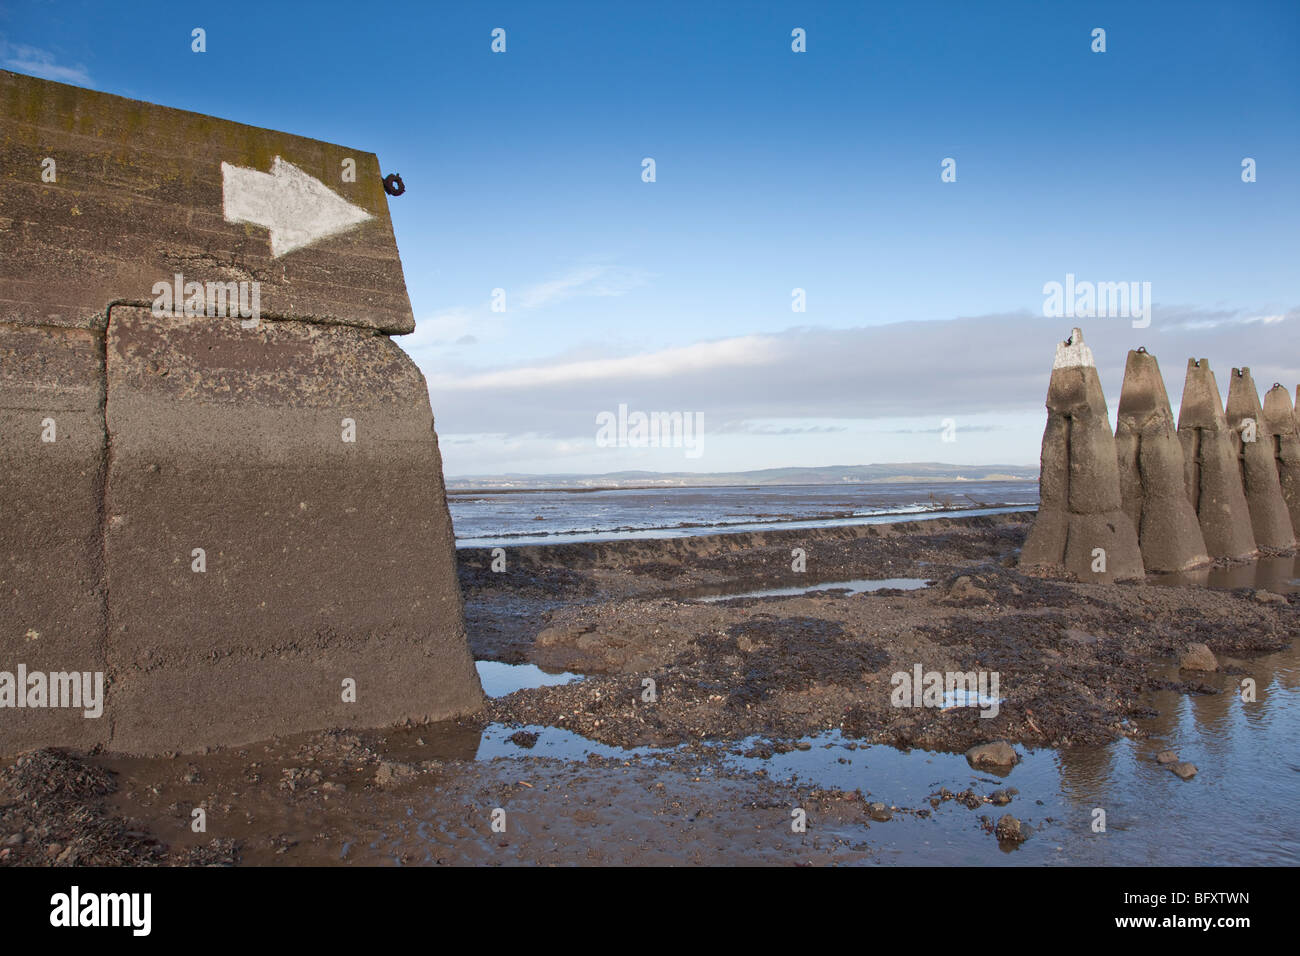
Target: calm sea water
point(536, 517)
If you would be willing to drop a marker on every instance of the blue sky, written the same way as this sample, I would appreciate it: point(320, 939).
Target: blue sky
point(775, 170)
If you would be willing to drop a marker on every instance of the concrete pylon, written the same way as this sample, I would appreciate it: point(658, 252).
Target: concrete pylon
point(1213, 477)
point(1151, 471)
point(1081, 525)
point(1269, 517)
point(1279, 429)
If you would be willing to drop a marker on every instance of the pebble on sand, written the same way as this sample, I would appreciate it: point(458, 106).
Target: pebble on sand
point(1011, 830)
point(999, 753)
point(1198, 657)
point(878, 811)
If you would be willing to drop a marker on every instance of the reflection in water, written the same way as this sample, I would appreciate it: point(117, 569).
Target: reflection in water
point(1277, 574)
point(501, 679)
point(856, 586)
point(1238, 810)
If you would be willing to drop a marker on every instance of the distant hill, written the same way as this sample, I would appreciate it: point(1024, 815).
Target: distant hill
point(827, 475)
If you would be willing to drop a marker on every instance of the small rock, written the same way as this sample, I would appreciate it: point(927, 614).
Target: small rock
point(963, 589)
point(999, 798)
point(803, 745)
point(1010, 830)
point(1268, 597)
point(523, 738)
point(1198, 657)
point(390, 773)
point(1167, 756)
point(1185, 771)
point(878, 811)
point(996, 754)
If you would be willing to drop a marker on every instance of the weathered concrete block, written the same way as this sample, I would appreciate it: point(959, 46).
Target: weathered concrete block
point(1269, 519)
point(1151, 471)
point(1081, 525)
point(51, 489)
point(318, 502)
point(241, 525)
point(1279, 429)
point(1213, 476)
point(141, 194)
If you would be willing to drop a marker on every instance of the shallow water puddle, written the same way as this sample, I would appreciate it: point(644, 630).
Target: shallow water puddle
point(501, 740)
point(501, 679)
point(1238, 809)
point(856, 586)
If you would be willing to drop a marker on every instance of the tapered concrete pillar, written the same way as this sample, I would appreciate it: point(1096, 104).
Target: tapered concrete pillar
point(1081, 525)
point(1213, 477)
point(1269, 518)
point(1280, 431)
point(1151, 471)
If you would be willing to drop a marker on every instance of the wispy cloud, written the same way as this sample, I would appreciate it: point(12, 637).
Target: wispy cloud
point(460, 326)
point(42, 63)
point(747, 351)
point(586, 280)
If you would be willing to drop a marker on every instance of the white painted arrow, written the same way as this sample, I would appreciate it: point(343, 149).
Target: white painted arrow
point(296, 207)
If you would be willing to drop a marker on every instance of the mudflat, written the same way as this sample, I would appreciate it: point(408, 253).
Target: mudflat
point(686, 696)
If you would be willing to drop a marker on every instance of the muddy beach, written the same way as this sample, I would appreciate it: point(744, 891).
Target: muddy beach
point(696, 723)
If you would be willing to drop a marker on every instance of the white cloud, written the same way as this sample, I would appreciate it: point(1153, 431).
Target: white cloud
point(747, 351)
point(37, 62)
point(821, 377)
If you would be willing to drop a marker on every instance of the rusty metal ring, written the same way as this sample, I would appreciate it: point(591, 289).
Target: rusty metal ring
point(393, 185)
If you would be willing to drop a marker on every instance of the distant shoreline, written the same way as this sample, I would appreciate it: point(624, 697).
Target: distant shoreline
point(479, 490)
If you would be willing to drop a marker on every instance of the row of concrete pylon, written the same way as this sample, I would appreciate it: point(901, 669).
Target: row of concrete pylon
point(1155, 496)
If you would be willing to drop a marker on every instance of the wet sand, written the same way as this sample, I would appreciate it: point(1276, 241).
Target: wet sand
point(762, 706)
